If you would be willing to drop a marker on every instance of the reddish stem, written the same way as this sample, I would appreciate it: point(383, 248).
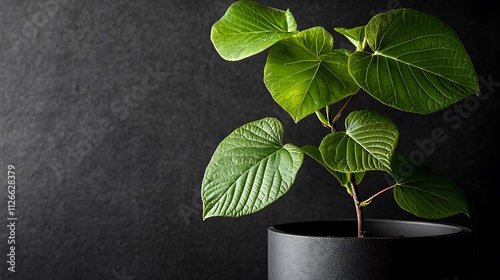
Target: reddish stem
point(357, 205)
point(379, 193)
point(337, 116)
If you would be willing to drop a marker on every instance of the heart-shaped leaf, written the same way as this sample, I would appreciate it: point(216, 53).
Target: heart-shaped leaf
point(248, 28)
point(304, 75)
point(421, 192)
point(367, 144)
point(250, 169)
point(418, 63)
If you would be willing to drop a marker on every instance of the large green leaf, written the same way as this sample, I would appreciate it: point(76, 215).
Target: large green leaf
point(423, 193)
point(250, 169)
point(248, 28)
point(343, 178)
point(367, 144)
point(418, 63)
point(304, 75)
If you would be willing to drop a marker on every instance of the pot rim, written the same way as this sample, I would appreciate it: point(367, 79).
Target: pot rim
point(384, 228)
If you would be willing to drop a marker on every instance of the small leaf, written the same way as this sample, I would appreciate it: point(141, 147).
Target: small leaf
point(423, 193)
point(343, 178)
point(322, 118)
point(419, 64)
point(290, 21)
point(250, 169)
point(304, 75)
point(355, 35)
point(367, 144)
point(248, 28)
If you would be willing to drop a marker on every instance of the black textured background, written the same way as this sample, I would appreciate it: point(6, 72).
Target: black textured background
point(138, 90)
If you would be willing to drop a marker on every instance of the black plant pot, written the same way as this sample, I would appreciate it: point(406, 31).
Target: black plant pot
point(398, 250)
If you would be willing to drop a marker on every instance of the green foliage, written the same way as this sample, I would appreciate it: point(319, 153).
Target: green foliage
point(248, 28)
point(250, 169)
point(367, 144)
point(343, 178)
point(421, 192)
point(304, 74)
point(418, 63)
point(403, 58)
point(355, 35)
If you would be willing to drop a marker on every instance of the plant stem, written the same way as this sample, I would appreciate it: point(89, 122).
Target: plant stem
point(358, 206)
point(366, 201)
point(339, 113)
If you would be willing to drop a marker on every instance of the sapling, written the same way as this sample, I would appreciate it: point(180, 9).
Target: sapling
point(404, 58)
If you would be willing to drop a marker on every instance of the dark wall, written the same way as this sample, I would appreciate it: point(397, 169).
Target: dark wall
point(110, 111)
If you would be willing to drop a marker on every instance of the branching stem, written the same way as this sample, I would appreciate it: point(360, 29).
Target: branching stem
point(339, 113)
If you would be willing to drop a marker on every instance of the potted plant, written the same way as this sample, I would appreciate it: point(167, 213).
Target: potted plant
point(405, 59)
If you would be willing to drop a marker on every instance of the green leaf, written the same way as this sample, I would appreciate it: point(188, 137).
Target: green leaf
point(343, 178)
point(248, 28)
point(423, 193)
point(367, 144)
point(304, 75)
point(419, 64)
point(250, 169)
point(355, 35)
